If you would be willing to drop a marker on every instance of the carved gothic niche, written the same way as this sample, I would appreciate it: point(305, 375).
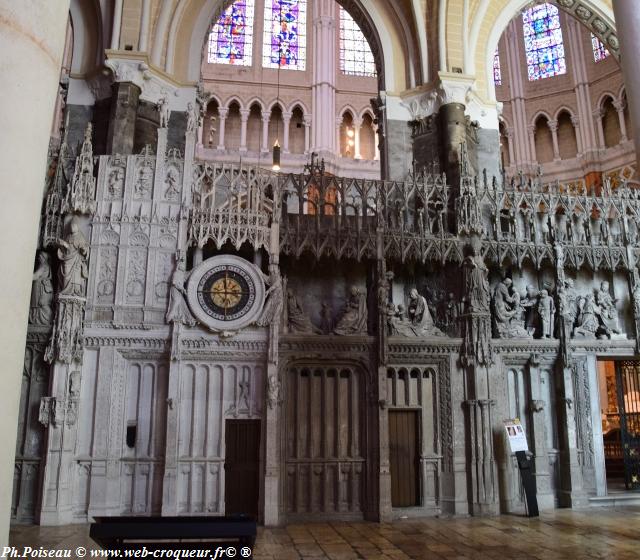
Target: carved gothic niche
point(116, 170)
point(145, 169)
point(173, 175)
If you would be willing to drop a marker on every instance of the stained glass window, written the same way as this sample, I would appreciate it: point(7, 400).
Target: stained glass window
point(285, 34)
point(543, 42)
point(231, 40)
point(356, 58)
point(497, 72)
point(600, 52)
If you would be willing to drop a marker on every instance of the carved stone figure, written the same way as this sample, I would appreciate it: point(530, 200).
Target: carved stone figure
point(587, 323)
point(273, 391)
point(193, 118)
point(178, 311)
point(507, 312)
point(172, 181)
point(144, 182)
point(530, 305)
point(72, 254)
point(297, 320)
point(420, 317)
point(41, 308)
point(476, 285)
point(354, 318)
point(212, 131)
point(163, 111)
point(115, 183)
point(608, 311)
point(568, 305)
point(547, 310)
point(272, 311)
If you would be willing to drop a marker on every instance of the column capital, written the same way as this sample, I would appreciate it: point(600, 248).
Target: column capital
point(223, 112)
point(619, 105)
point(244, 114)
point(531, 129)
point(357, 122)
point(575, 121)
point(598, 113)
point(266, 118)
point(307, 120)
point(286, 115)
point(553, 125)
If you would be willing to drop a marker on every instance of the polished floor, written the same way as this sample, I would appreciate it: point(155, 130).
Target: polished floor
point(596, 533)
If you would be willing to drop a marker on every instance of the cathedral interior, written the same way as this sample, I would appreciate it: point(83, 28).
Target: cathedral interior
point(303, 259)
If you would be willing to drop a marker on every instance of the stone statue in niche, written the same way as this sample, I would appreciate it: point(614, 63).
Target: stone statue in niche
point(587, 323)
point(82, 192)
point(608, 311)
point(172, 181)
point(212, 130)
point(163, 111)
point(476, 285)
point(178, 311)
point(546, 310)
point(568, 305)
point(418, 322)
point(354, 318)
point(41, 308)
point(73, 253)
point(145, 180)
point(530, 305)
point(296, 319)
point(507, 312)
point(115, 183)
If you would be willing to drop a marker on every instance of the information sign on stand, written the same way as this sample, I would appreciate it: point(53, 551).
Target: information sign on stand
point(518, 444)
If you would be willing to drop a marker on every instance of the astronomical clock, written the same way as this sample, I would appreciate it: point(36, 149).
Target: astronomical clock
point(226, 293)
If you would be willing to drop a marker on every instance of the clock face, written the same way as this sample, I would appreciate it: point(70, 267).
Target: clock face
point(226, 293)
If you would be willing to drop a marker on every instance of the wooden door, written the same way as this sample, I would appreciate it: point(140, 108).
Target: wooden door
point(403, 457)
point(242, 459)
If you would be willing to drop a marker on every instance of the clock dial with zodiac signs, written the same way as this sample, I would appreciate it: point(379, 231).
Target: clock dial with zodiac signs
point(226, 292)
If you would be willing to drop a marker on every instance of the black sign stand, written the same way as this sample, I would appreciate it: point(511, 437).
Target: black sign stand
point(528, 482)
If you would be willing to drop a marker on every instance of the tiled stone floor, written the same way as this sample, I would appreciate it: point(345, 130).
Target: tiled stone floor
point(597, 533)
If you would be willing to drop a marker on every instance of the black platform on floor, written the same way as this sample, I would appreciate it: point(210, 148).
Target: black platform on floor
point(174, 533)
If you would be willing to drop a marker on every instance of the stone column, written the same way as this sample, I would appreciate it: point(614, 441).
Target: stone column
point(620, 106)
point(628, 28)
point(143, 40)
point(512, 155)
point(122, 119)
point(531, 129)
point(357, 125)
point(553, 127)
point(598, 114)
point(32, 34)
point(286, 119)
point(338, 139)
point(575, 121)
point(265, 132)
point(307, 134)
point(222, 121)
point(376, 142)
point(117, 22)
point(244, 118)
point(454, 132)
point(323, 67)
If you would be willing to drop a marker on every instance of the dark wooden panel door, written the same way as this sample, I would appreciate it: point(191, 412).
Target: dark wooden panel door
point(242, 460)
point(403, 457)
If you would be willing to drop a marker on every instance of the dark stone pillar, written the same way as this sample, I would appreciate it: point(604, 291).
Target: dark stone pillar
point(453, 127)
point(122, 119)
point(147, 123)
